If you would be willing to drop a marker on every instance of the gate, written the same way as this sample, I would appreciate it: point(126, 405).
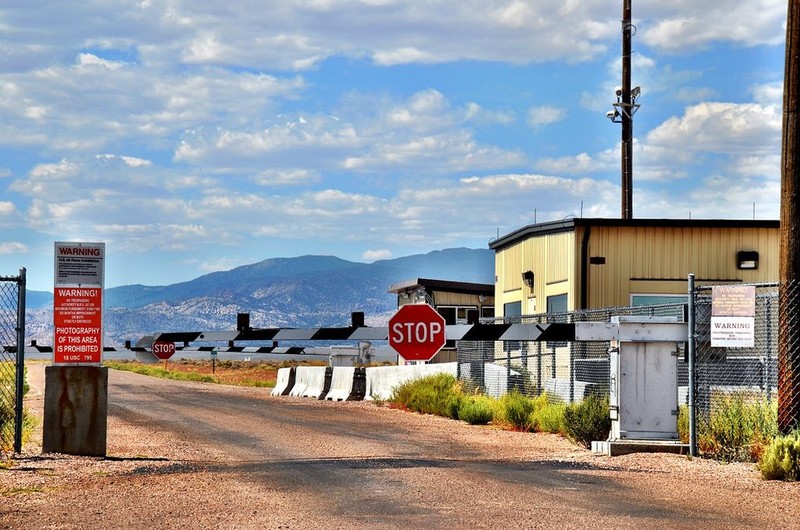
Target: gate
point(12, 360)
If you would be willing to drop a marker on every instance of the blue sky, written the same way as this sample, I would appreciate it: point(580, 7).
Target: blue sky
point(195, 136)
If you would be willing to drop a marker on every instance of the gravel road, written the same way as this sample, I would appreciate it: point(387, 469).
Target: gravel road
point(192, 455)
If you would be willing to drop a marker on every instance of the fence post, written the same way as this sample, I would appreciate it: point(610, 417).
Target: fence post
point(691, 355)
point(768, 361)
point(21, 286)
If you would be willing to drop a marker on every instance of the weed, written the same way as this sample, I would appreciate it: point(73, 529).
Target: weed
point(548, 416)
point(515, 411)
point(476, 410)
point(588, 420)
point(781, 460)
point(438, 394)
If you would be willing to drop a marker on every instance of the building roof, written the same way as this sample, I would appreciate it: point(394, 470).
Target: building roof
point(569, 224)
point(442, 285)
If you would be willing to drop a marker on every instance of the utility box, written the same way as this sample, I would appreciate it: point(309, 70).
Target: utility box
point(644, 385)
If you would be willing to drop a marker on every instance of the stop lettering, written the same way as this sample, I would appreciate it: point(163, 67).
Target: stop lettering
point(417, 332)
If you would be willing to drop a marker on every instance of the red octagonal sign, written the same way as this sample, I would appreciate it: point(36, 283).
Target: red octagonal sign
point(417, 332)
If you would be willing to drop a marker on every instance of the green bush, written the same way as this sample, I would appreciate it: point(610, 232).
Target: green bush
point(548, 416)
point(476, 410)
point(781, 460)
point(588, 420)
point(515, 410)
point(438, 394)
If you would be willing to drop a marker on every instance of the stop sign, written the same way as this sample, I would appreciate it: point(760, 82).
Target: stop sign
point(417, 332)
point(163, 350)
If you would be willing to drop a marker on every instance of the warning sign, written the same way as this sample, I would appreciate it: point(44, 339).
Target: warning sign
point(78, 303)
point(733, 308)
point(78, 321)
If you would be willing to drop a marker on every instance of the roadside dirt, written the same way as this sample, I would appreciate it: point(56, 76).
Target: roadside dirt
point(205, 462)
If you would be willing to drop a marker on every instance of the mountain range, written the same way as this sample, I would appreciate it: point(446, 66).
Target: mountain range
point(306, 291)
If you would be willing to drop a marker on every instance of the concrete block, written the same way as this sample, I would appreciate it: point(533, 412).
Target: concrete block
point(75, 410)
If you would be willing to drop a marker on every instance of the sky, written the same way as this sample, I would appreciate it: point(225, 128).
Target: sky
point(193, 136)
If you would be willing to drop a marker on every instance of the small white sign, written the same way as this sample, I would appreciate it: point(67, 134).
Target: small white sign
point(732, 332)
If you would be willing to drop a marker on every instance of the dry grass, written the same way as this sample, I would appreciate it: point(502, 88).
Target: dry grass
point(226, 372)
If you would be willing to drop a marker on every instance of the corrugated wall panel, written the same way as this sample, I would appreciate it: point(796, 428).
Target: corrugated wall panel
point(670, 253)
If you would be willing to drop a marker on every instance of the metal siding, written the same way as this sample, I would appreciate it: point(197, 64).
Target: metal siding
point(660, 253)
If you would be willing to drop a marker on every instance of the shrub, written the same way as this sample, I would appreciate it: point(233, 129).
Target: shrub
point(438, 394)
point(515, 410)
point(588, 420)
point(548, 416)
point(476, 410)
point(739, 428)
point(781, 460)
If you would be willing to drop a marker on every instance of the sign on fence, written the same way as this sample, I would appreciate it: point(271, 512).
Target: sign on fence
point(733, 309)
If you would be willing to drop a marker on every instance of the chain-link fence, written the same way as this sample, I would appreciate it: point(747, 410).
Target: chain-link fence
point(728, 381)
point(788, 370)
point(736, 380)
point(569, 371)
point(12, 326)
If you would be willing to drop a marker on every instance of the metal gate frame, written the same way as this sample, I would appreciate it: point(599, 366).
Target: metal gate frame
point(15, 332)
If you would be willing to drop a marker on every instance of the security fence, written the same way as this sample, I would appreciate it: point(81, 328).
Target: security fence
point(569, 371)
point(12, 339)
point(729, 380)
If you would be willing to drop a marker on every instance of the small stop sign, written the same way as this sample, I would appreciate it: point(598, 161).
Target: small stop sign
point(163, 350)
point(417, 332)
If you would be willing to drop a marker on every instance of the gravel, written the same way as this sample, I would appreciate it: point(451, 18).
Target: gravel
point(157, 477)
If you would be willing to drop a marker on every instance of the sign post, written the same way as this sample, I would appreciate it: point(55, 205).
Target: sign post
point(417, 332)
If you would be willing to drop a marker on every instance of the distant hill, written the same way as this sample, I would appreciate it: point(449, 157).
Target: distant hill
point(281, 292)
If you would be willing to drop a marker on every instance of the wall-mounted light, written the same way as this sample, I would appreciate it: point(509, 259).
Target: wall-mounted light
point(527, 278)
point(747, 260)
point(481, 298)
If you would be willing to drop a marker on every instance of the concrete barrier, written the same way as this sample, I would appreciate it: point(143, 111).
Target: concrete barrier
point(341, 383)
point(382, 380)
point(301, 375)
point(284, 381)
point(315, 381)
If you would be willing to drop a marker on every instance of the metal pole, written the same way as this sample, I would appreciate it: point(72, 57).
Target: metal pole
point(18, 409)
point(768, 361)
point(691, 355)
point(627, 115)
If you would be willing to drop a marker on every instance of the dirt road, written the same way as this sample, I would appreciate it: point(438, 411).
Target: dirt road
point(191, 455)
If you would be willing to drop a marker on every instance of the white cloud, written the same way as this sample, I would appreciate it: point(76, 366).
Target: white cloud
point(545, 115)
point(676, 26)
point(721, 128)
point(13, 247)
point(376, 255)
point(7, 208)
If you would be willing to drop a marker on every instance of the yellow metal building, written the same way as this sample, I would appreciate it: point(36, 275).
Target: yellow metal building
point(584, 263)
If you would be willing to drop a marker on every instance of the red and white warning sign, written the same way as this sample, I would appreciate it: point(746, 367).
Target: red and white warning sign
point(78, 321)
point(78, 303)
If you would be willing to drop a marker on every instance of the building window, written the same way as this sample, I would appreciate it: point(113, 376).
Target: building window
point(557, 303)
point(487, 311)
point(512, 309)
point(657, 299)
point(458, 314)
